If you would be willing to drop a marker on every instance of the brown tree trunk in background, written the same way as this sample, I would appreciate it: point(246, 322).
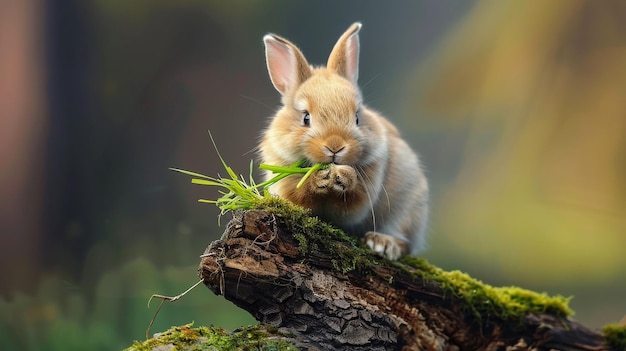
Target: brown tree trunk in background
point(259, 267)
point(23, 125)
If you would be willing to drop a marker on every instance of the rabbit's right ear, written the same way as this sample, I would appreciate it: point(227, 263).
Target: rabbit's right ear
point(344, 58)
point(285, 63)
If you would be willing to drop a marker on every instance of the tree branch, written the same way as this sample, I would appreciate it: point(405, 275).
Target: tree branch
point(329, 293)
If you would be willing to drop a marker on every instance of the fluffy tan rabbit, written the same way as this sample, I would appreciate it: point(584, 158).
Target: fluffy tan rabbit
point(375, 187)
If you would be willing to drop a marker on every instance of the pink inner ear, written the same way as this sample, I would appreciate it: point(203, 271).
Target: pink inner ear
point(281, 64)
point(352, 58)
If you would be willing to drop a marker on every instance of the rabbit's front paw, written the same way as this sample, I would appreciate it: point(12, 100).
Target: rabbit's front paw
point(321, 181)
point(385, 245)
point(343, 178)
point(336, 178)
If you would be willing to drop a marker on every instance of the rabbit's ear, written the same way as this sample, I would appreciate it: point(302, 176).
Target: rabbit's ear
point(285, 63)
point(344, 59)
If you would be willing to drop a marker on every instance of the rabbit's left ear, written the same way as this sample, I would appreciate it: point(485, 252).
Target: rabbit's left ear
point(285, 63)
point(344, 59)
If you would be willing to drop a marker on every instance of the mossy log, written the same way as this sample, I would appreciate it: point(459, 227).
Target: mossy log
point(329, 293)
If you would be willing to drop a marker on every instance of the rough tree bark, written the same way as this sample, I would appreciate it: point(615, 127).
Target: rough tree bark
point(261, 267)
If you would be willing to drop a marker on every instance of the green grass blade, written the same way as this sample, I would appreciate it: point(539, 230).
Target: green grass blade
point(229, 170)
point(206, 182)
point(283, 169)
point(193, 174)
point(237, 192)
point(312, 170)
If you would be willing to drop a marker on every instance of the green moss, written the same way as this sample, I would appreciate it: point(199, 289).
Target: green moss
point(314, 234)
point(483, 301)
point(212, 338)
point(615, 336)
point(487, 302)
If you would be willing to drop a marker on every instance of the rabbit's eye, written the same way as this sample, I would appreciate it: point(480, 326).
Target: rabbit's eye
point(357, 118)
point(306, 119)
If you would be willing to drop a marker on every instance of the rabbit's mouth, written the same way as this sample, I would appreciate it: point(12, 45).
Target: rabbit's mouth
point(306, 163)
point(336, 159)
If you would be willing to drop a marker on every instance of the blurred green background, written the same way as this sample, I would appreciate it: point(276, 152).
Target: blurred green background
point(517, 109)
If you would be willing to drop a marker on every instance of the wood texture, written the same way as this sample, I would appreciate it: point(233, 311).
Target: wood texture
point(259, 267)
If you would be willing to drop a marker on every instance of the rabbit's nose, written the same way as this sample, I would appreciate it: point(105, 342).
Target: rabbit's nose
point(334, 145)
point(334, 151)
point(334, 156)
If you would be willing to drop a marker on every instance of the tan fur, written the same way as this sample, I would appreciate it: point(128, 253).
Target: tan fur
point(375, 187)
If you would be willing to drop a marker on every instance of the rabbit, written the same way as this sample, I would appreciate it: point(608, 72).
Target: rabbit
point(374, 188)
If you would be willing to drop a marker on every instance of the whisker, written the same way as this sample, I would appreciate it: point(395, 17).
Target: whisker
point(370, 96)
point(249, 98)
point(382, 185)
point(253, 150)
point(367, 184)
point(386, 195)
point(374, 77)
